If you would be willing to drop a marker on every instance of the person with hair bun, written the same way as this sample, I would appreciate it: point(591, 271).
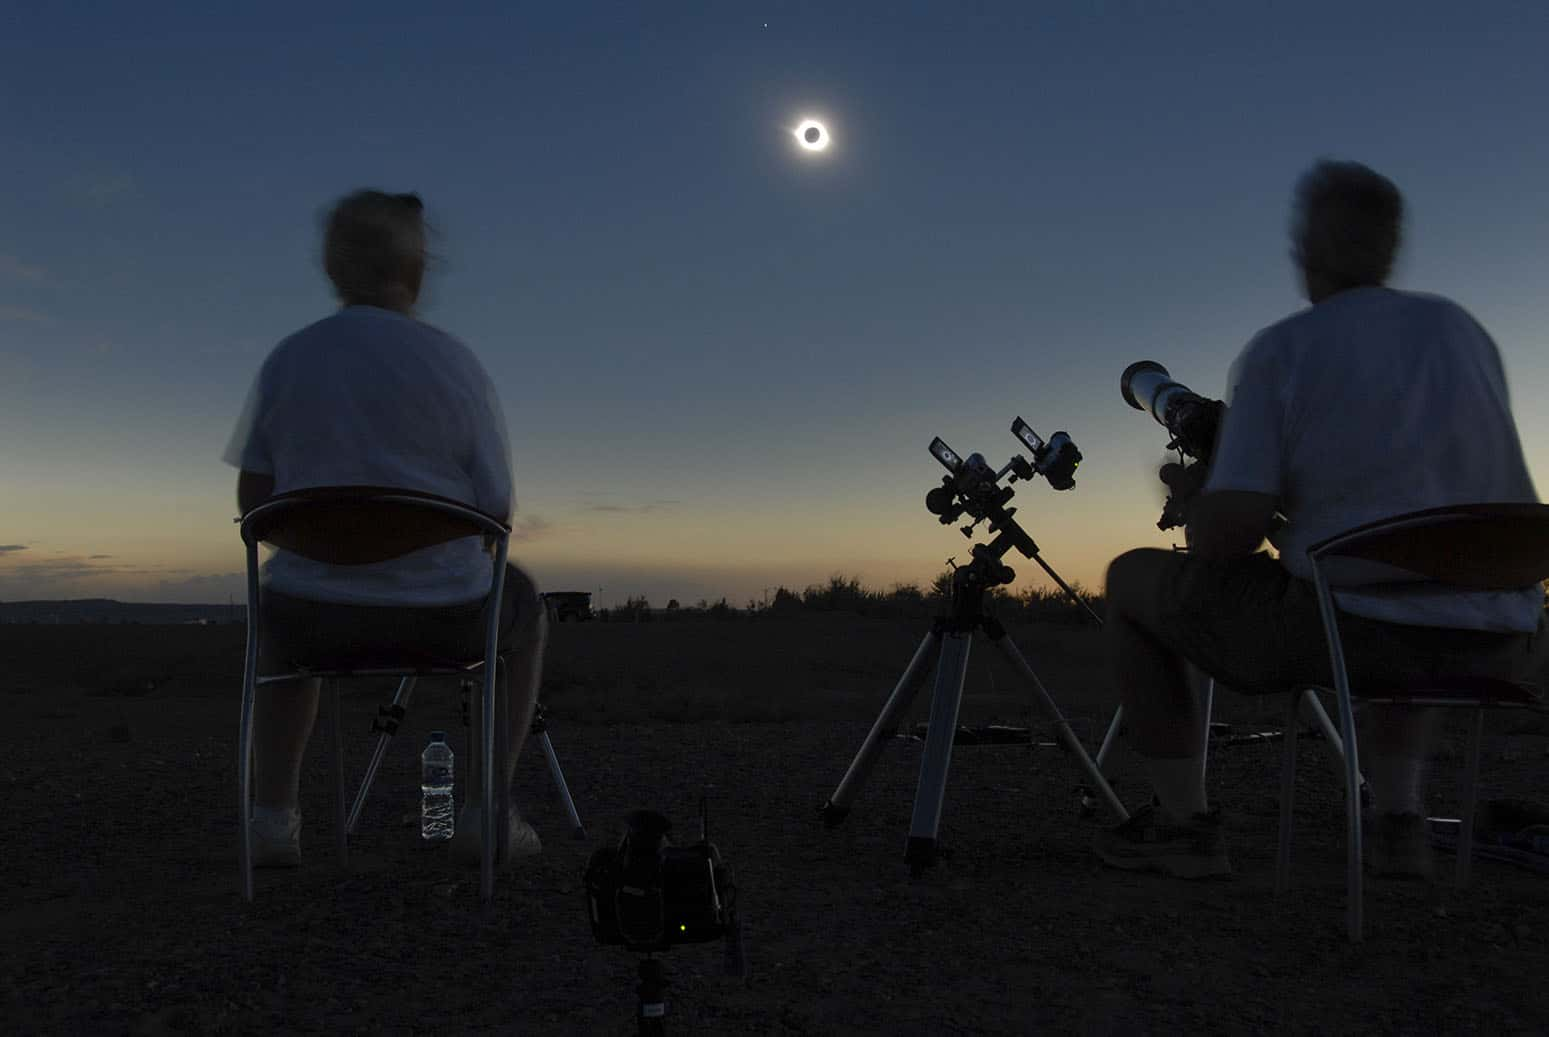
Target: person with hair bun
point(373, 396)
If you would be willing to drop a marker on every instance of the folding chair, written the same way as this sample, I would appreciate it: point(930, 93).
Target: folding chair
point(1471, 547)
point(357, 525)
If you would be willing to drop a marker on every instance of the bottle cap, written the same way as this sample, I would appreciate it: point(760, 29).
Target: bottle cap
point(438, 736)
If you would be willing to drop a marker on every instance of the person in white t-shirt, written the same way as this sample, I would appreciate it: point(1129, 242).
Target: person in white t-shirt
point(1371, 403)
point(371, 396)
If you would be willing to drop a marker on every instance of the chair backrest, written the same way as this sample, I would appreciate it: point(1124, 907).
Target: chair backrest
point(1477, 546)
point(357, 525)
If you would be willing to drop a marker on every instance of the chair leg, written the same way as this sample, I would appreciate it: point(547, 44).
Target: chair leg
point(245, 783)
point(487, 779)
point(1470, 799)
point(245, 729)
point(341, 823)
point(1287, 794)
point(1353, 879)
point(502, 756)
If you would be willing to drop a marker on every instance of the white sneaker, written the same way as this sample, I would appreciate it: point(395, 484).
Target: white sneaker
point(276, 837)
point(467, 841)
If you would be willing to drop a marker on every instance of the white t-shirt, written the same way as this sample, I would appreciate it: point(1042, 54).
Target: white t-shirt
point(369, 397)
point(1372, 403)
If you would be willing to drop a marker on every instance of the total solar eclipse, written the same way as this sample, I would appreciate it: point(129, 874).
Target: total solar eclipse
point(812, 135)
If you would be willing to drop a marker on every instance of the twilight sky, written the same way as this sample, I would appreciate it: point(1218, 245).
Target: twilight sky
point(721, 360)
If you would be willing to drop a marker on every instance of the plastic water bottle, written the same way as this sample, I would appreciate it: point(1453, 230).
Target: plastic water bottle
point(436, 820)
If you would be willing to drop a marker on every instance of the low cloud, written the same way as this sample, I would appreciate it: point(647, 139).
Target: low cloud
point(630, 509)
point(10, 266)
point(203, 588)
point(62, 576)
point(25, 315)
point(530, 527)
point(12, 547)
point(95, 557)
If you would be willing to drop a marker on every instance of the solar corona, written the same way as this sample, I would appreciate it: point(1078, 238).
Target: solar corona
point(812, 135)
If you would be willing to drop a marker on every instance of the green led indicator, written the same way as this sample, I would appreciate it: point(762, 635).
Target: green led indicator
point(682, 928)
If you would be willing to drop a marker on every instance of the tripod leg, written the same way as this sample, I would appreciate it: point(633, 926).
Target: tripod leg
point(838, 806)
point(559, 784)
point(401, 699)
point(1314, 705)
point(1009, 648)
point(1088, 804)
point(928, 797)
point(1114, 727)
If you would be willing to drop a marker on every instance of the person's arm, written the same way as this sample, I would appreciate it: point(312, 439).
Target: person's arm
point(248, 449)
point(1236, 506)
point(1229, 523)
point(253, 488)
point(489, 466)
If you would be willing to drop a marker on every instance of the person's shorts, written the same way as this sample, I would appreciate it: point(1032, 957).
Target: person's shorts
point(298, 633)
point(1256, 628)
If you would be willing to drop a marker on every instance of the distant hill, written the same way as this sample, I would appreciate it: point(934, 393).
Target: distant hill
point(106, 610)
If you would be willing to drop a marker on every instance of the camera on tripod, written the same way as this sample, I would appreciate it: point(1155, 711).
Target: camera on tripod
point(649, 895)
point(1189, 418)
point(973, 488)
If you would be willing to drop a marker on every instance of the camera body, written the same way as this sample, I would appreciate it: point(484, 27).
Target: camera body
point(974, 488)
point(649, 895)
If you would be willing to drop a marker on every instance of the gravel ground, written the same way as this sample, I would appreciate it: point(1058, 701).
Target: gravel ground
point(121, 901)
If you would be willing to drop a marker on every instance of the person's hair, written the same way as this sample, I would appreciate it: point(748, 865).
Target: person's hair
point(375, 249)
point(1346, 223)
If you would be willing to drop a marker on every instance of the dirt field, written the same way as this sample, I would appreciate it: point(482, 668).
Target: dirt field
point(122, 912)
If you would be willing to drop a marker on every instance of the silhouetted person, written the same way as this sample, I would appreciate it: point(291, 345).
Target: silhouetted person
point(370, 396)
point(1371, 403)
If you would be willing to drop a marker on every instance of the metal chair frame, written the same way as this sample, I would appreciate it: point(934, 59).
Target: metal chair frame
point(254, 525)
point(1393, 541)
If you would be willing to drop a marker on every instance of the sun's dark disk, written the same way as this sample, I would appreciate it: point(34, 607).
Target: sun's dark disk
point(813, 135)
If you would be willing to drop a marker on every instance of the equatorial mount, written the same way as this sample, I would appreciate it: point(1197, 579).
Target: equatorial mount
point(973, 488)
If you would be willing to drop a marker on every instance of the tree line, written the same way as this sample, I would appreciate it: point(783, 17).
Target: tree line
point(847, 594)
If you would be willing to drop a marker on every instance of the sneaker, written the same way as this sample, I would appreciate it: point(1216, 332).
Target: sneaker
point(276, 837)
point(1152, 841)
point(467, 844)
point(1399, 846)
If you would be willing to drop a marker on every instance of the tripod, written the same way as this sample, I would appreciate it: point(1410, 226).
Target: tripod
point(651, 1011)
point(953, 633)
point(390, 716)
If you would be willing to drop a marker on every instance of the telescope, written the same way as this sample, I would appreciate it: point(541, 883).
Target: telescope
point(1189, 418)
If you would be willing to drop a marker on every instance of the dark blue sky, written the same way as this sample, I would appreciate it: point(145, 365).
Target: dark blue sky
point(721, 359)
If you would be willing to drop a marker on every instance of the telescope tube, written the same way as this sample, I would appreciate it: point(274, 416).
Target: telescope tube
point(1147, 386)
